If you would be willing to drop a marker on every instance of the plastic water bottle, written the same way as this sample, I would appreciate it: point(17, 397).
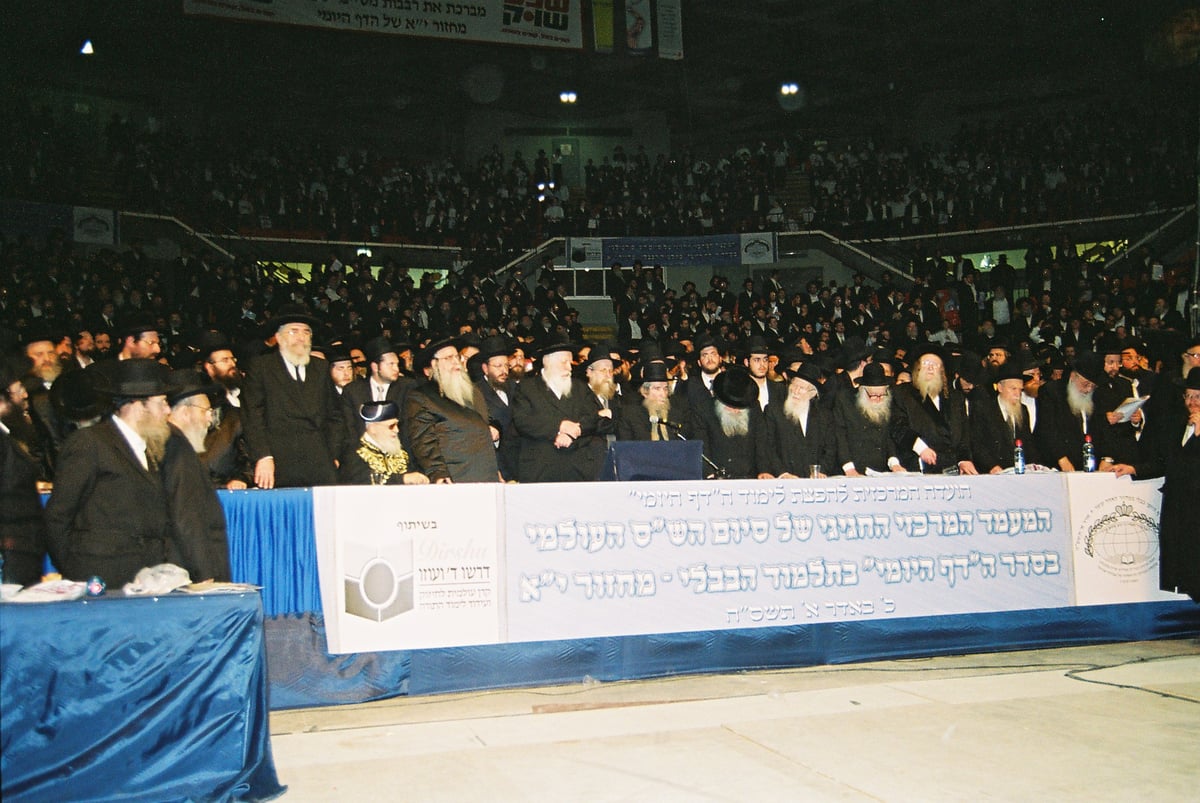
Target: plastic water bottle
point(1089, 454)
point(1018, 457)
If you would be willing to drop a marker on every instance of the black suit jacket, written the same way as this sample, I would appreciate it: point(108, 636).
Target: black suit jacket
point(1059, 432)
point(22, 531)
point(992, 438)
point(537, 414)
point(358, 393)
point(299, 424)
point(108, 516)
point(945, 430)
point(199, 542)
point(508, 454)
point(449, 440)
point(784, 447)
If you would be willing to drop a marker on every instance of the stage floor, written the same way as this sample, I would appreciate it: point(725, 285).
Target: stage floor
point(1099, 722)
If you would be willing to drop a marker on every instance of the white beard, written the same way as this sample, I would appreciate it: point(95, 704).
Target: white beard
point(1011, 411)
point(299, 356)
point(928, 388)
point(877, 414)
point(560, 385)
point(796, 411)
point(1080, 403)
point(734, 423)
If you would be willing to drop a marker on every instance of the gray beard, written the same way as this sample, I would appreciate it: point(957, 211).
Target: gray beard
point(300, 356)
point(662, 410)
point(1080, 403)
point(734, 423)
point(156, 435)
point(928, 388)
point(604, 389)
point(877, 414)
point(456, 387)
point(1012, 411)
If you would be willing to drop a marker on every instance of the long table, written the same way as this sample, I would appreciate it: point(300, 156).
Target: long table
point(272, 544)
point(142, 699)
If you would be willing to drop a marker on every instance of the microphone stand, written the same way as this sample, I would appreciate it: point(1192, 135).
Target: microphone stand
point(718, 471)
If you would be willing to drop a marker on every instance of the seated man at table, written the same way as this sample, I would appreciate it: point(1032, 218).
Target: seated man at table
point(378, 457)
point(108, 515)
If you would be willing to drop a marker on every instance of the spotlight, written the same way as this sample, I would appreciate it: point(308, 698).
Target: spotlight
point(87, 48)
point(789, 89)
point(567, 97)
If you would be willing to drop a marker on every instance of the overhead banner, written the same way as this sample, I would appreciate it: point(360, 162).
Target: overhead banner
point(1114, 536)
point(408, 567)
point(611, 559)
point(94, 226)
point(670, 29)
point(544, 23)
point(719, 250)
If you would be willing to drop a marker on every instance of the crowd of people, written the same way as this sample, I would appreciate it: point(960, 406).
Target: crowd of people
point(358, 377)
point(1132, 157)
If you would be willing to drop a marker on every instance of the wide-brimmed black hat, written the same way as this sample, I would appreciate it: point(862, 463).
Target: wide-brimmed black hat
point(136, 324)
point(1012, 369)
point(495, 346)
point(80, 395)
point(603, 351)
point(735, 388)
point(211, 341)
point(337, 353)
point(425, 358)
point(854, 351)
point(184, 384)
point(376, 347)
point(40, 331)
point(1090, 366)
point(808, 371)
point(655, 371)
point(292, 313)
point(705, 340)
point(874, 376)
point(757, 344)
point(923, 349)
point(374, 412)
point(1192, 381)
point(135, 378)
point(556, 344)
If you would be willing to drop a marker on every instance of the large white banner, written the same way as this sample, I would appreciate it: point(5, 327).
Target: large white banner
point(612, 559)
point(408, 567)
point(544, 23)
point(1114, 534)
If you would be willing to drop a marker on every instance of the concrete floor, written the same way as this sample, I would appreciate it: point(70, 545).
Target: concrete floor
point(1097, 723)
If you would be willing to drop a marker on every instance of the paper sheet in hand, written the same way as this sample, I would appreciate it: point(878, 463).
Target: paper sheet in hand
point(1131, 406)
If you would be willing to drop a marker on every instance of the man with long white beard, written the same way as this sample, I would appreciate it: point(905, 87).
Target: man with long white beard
point(446, 421)
point(558, 419)
point(798, 433)
point(929, 419)
point(290, 411)
point(199, 542)
point(378, 458)
point(655, 418)
point(863, 423)
point(997, 423)
point(730, 434)
point(108, 515)
point(1065, 409)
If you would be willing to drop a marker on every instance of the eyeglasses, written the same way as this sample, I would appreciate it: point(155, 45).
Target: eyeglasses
point(208, 410)
point(1195, 355)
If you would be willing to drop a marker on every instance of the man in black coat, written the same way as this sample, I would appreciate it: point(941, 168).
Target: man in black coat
point(1179, 540)
point(109, 515)
point(1065, 412)
point(293, 423)
point(446, 421)
point(22, 531)
point(558, 419)
point(798, 433)
point(656, 415)
point(730, 435)
point(929, 420)
point(494, 355)
point(863, 423)
point(225, 455)
point(998, 421)
point(199, 541)
point(384, 383)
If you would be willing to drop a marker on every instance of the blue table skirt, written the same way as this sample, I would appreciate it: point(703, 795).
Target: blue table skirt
point(272, 544)
point(138, 699)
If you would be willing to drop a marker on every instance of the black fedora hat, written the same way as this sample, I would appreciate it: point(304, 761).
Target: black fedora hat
point(136, 325)
point(654, 372)
point(874, 376)
point(211, 341)
point(1011, 369)
point(922, 350)
point(608, 350)
point(38, 332)
point(292, 313)
point(185, 384)
point(135, 378)
point(1090, 366)
point(425, 358)
point(494, 346)
point(757, 344)
point(735, 388)
point(854, 351)
point(808, 371)
point(376, 347)
point(556, 344)
point(81, 395)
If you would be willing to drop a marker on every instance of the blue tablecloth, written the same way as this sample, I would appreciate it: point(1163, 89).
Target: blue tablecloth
point(137, 699)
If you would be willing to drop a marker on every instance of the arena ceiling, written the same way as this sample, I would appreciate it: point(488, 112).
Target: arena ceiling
point(846, 55)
